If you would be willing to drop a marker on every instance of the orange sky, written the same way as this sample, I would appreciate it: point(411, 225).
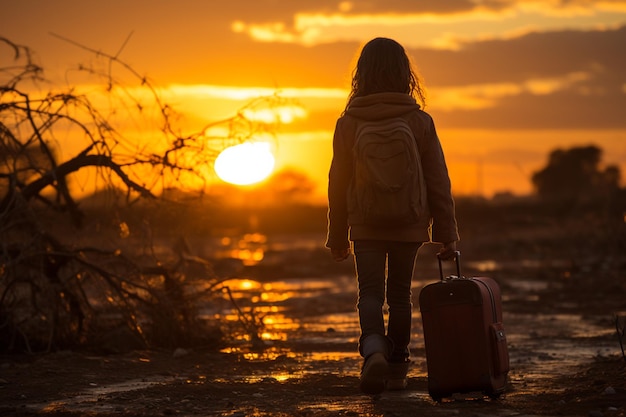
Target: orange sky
point(507, 81)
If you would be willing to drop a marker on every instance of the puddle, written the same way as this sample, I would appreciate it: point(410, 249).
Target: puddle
point(125, 386)
point(280, 302)
point(490, 265)
point(541, 346)
point(528, 285)
point(88, 399)
point(313, 323)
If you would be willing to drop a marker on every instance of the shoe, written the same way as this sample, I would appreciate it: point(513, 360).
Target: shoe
point(373, 374)
point(396, 377)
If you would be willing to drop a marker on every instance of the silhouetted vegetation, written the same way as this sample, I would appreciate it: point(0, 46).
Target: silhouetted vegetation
point(574, 178)
point(70, 275)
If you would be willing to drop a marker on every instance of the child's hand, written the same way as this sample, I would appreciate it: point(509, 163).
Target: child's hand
point(448, 251)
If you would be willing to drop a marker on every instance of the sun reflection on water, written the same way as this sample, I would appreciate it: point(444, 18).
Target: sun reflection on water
point(264, 320)
point(249, 248)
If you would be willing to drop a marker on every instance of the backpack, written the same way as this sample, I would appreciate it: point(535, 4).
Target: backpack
point(387, 188)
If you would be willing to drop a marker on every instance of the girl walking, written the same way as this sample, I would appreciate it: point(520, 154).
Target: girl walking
point(385, 88)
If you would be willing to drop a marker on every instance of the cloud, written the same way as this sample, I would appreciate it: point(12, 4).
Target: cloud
point(485, 63)
point(451, 28)
point(484, 96)
point(569, 78)
point(540, 80)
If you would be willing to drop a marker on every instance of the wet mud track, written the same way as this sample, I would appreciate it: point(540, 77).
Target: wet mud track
point(565, 359)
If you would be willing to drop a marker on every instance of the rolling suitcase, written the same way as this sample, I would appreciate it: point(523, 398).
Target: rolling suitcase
point(466, 348)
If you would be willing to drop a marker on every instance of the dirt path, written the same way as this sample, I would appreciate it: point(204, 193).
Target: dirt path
point(565, 358)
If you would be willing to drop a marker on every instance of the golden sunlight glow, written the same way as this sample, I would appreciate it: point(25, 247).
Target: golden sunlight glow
point(240, 285)
point(245, 164)
point(209, 91)
point(280, 114)
point(345, 6)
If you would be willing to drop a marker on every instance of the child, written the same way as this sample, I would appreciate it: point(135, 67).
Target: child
point(384, 86)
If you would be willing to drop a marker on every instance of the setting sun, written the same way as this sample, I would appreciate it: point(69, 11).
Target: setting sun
point(245, 164)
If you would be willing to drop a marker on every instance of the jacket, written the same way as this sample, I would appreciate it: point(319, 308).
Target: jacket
point(439, 225)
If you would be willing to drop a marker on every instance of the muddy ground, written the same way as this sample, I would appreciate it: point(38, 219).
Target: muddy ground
point(561, 301)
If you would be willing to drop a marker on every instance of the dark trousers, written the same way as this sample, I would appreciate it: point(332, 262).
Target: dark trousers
point(384, 272)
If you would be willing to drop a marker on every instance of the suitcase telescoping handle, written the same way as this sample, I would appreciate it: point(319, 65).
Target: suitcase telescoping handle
point(457, 259)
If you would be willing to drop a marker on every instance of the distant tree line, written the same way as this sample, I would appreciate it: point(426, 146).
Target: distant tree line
point(576, 178)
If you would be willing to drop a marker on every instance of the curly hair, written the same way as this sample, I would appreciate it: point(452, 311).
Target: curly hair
point(384, 67)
